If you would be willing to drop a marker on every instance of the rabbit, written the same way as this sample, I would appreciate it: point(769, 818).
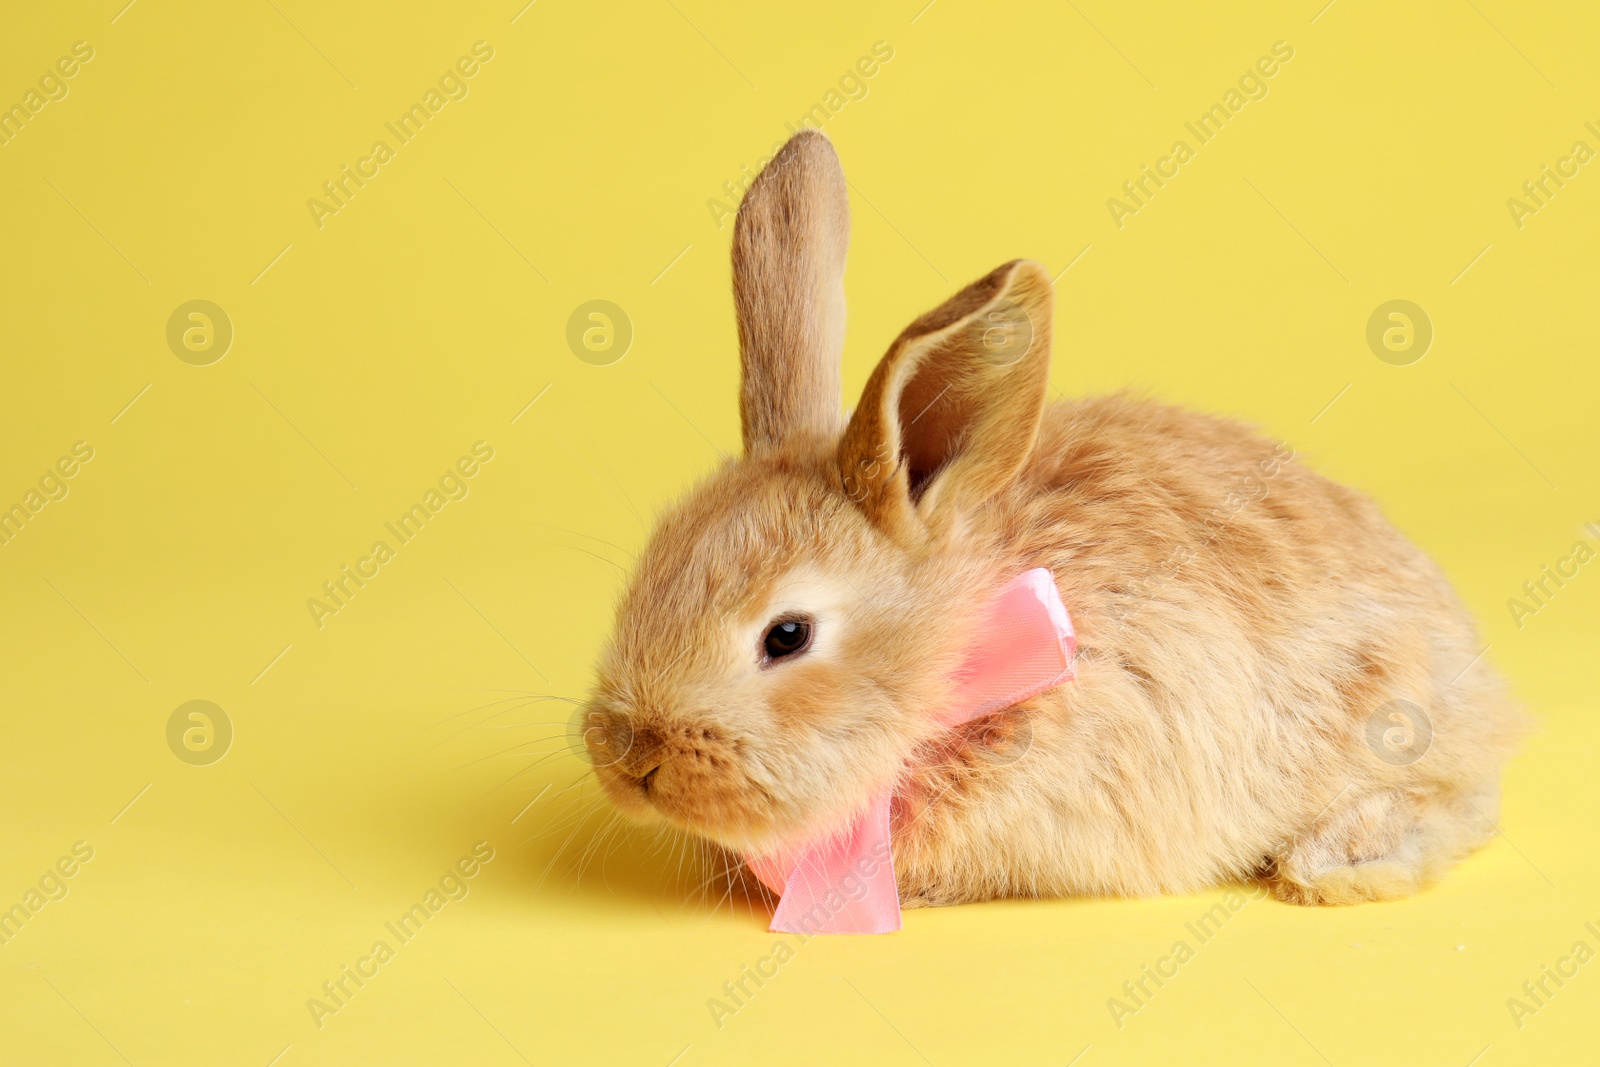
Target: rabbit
point(1273, 685)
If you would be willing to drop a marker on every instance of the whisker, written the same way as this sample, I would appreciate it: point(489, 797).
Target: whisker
point(727, 894)
point(610, 563)
point(523, 771)
point(503, 711)
point(567, 819)
point(558, 853)
point(510, 707)
point(588, 537)
point(507, 751)
point(520, 695)
point(582, 808)
point(576, 781)
point(594, 852)
point(625, 496)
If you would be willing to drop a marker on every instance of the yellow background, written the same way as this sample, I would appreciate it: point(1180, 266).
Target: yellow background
point(432, 309)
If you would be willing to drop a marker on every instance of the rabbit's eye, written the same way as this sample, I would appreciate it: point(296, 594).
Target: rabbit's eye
point(788, 637)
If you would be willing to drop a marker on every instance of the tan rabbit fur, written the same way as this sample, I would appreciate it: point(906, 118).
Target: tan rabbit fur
point(1244, 623)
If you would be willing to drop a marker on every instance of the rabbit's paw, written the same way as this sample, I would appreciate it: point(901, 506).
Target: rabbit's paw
point(1381, 845)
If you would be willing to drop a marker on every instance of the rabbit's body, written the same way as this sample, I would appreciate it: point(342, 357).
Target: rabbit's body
point(1241, 621)
point(1270, 679)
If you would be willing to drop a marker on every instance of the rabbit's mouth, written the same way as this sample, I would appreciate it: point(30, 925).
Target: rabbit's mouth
point(750, 814)
point(691, 775)
point(720, 812)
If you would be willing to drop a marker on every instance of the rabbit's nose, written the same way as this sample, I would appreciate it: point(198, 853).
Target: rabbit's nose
point(647, 753)
point(605, 735)
point(613, 737)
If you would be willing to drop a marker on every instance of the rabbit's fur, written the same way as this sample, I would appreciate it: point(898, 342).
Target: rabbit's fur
point(1244, 624)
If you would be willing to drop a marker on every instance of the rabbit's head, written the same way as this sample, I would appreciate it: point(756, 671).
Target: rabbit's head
point(792, 623)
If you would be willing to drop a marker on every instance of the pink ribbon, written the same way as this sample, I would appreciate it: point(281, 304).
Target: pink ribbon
point(844, 882)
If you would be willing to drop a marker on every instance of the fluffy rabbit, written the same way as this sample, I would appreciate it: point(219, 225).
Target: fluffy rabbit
point(1272, 681)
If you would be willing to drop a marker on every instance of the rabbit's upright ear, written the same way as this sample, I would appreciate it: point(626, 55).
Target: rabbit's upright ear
point(952, 411)
point(789, 245)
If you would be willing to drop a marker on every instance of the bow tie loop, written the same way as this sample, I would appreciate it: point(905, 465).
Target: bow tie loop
point(844, 883)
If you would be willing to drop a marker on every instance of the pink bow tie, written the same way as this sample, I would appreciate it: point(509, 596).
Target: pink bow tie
point(844, 883)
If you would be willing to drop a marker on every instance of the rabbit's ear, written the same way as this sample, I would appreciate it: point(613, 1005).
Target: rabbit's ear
point(789, 246)
point(952, 411)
